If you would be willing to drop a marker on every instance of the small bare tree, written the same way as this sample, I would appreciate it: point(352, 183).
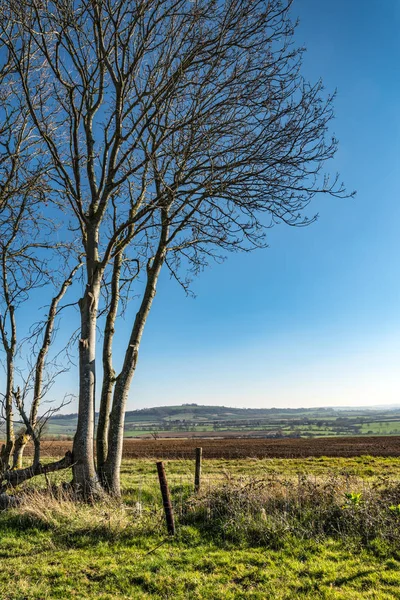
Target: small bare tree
point(40, 377)
point(24, 270)
point(20, 190)
point(28, 250)
point(176, 130)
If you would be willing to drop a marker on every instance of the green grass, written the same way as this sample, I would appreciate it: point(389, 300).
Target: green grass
point(184, 569)
point(53, 548)
point(381, 428)
point(361, 466)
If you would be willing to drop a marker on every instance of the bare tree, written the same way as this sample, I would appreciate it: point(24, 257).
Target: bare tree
point(29, 249)
point(22, 272)
point(177, 130)
point(25, 268)
point(35, 384)
point(26, 264)
point(20, 193)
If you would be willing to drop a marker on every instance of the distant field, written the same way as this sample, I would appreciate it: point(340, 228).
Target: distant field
point(194, 420)
point(247, 448)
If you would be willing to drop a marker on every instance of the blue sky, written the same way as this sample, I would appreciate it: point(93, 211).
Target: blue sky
point(315, 319)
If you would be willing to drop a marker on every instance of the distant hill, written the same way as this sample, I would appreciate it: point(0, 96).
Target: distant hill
point(196, 419)
point(199, 410)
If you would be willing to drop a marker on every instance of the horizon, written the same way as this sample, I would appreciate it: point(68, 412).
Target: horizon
point(269, 408)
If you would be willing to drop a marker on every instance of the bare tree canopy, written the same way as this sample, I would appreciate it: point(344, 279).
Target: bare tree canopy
point(176, 130)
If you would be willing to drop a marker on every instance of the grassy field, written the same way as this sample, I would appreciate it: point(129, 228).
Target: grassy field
point(50, 565)
point(365, 467)
point(260, 528)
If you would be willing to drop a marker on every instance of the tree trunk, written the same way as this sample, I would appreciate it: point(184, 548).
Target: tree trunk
point(19, 447)
point(8, 410)
point(5, 454)
point(84, 472)
point(108, 372)
point(14, 478)
point(112, 465)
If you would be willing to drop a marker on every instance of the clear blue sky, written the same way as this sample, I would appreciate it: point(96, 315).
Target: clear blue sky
point(315, 319)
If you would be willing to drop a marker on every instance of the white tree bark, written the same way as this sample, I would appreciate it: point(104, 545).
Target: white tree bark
point(108, 371)
point(112, 464)
point(84, 471)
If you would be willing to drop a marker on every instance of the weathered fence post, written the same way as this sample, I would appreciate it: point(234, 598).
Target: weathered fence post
point(197, 473)
point(169, 513)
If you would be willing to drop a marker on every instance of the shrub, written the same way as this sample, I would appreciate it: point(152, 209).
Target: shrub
point(270, 512)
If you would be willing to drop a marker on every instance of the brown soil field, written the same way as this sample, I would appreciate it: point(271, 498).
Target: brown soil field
point(247, 448)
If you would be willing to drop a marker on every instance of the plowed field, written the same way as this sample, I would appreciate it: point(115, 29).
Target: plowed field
point(248, 448)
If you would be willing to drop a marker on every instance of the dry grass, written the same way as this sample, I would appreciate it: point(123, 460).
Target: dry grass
point(269, 512)
point(58, 508)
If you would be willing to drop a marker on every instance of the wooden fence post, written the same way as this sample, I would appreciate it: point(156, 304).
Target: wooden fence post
point(197, 474)
point(169, 513)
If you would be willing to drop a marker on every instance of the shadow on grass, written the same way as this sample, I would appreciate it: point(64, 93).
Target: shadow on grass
point(340, 581)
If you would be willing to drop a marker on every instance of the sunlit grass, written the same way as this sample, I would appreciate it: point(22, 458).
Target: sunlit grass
point(181, 570)
point(53, 547)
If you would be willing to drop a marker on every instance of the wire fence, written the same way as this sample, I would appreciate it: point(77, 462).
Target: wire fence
point(249, 500)
point(280, 492)
point(311, 494)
